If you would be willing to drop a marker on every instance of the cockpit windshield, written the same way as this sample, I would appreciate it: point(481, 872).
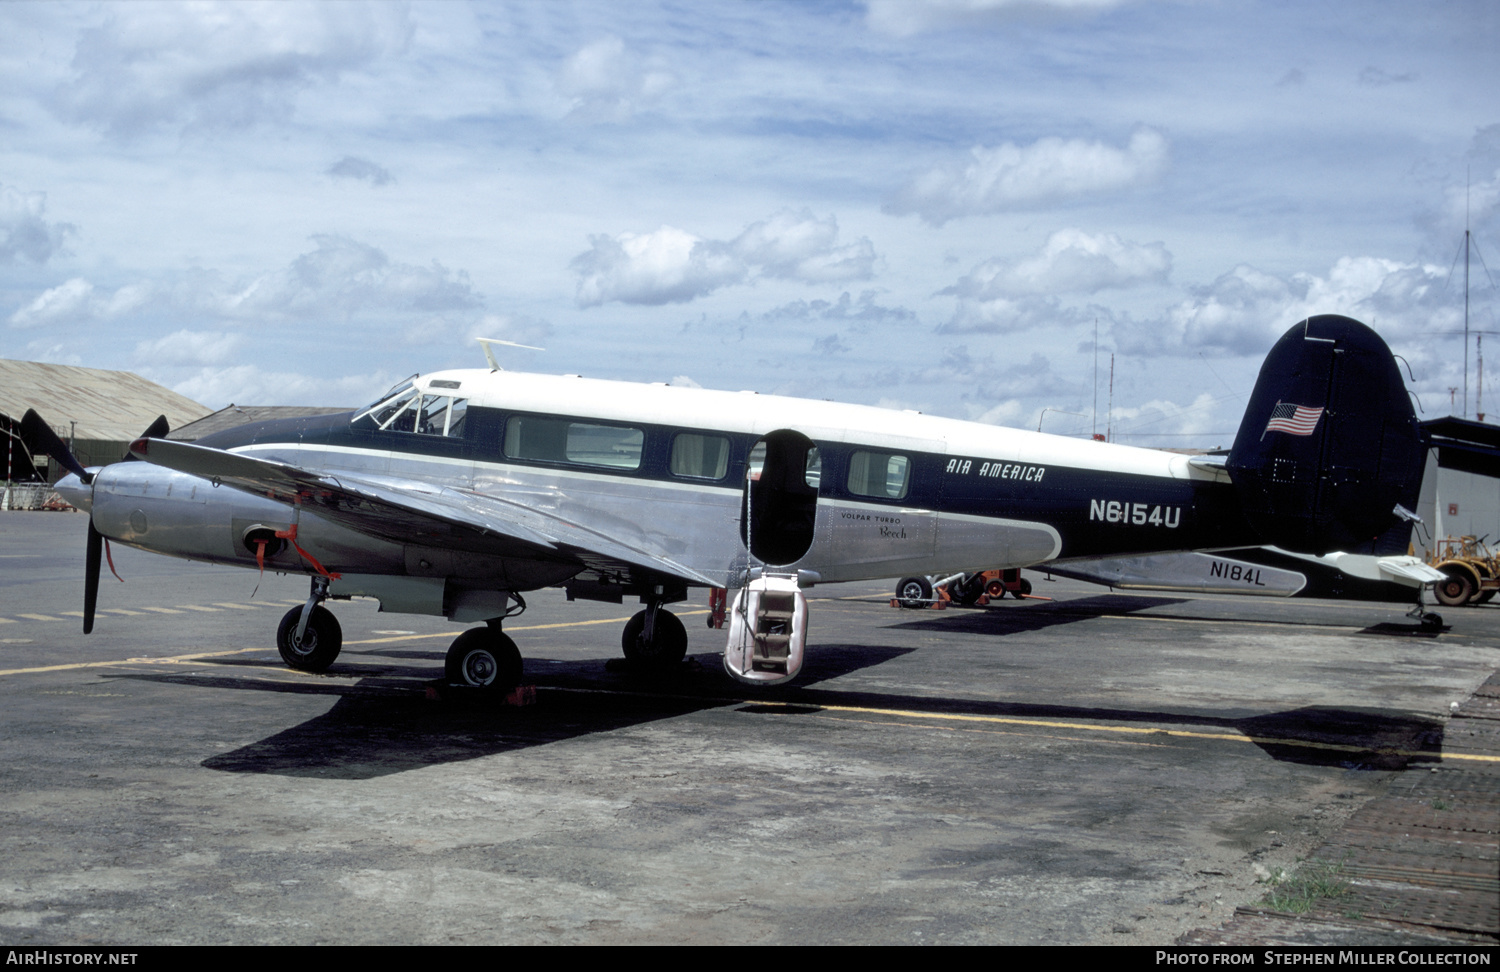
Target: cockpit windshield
point(405, 409)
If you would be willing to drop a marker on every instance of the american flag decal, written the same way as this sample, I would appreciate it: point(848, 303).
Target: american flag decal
point(1296, 419)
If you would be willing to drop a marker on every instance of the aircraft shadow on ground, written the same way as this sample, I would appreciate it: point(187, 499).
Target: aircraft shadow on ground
point(382, 724)
point(1030, 617)
point(1035, 617)
point(1313, 735)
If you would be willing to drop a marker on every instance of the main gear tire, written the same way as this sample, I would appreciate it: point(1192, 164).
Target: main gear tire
point(484, 659)
point(666, 650)
point(914, 592)
point(320, 642)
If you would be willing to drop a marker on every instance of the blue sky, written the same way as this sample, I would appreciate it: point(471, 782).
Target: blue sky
point(920, 205)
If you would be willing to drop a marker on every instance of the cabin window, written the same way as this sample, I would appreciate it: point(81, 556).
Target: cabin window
point(700, 456)
point(559, 440)
point(881, 474)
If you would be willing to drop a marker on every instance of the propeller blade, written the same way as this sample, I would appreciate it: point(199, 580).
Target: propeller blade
point(156, 430)
point(91, 576)
point(39, 437)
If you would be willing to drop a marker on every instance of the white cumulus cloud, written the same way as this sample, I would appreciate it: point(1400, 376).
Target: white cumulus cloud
point(1071, 261)
point(902, 18)
point(252, 385)
point(218, 65)
point(68, 301)
point(1006, 315)
point(190, 348)
point(1011, 176)
point(24, 230)
point(1245, 310)
point(672, 265)
point(352, 167)
point(340, 279)
point(607, 82)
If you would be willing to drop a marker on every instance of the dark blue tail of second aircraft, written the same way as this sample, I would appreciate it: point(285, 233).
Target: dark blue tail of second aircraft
point(1329, 445)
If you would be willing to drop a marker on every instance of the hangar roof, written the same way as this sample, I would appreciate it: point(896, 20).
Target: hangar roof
point(107, 405)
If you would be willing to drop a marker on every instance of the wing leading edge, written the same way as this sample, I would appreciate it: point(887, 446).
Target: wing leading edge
point(412, 511)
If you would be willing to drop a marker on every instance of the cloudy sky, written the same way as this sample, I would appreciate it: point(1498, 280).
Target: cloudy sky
point(925, 205)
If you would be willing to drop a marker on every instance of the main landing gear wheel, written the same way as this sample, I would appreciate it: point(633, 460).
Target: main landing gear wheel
point(666, 650)
point(484, 659)
point(320, 642)
point(914, 592)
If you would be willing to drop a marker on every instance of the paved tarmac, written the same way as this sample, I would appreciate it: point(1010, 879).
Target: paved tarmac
point(1098, 768)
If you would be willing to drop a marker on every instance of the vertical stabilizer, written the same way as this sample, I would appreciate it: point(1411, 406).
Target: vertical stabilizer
point(1329, 445)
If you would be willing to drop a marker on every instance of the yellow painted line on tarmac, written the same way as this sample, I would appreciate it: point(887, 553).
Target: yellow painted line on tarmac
point(1236, 621)
point(179, 659)
point(927, 717)
point(160, 610)
point(168, 660)
point(519, 627)
point(195, 607)
point(238, 607)
point(7, 620)
point(133, 614)
point(38, 617)
point(1130, 730)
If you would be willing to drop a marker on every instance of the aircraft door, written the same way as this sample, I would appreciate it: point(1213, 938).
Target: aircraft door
point(778, 512)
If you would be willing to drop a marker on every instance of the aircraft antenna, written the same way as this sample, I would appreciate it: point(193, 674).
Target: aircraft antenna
point(489, 354)
point(1109, 418)
point(1095, 430)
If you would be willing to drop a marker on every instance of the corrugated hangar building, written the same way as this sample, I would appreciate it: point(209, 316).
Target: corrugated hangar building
point(99, 411)
point(1461, 488)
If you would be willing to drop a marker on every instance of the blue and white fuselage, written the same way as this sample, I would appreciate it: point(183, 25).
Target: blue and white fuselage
point(459, 490)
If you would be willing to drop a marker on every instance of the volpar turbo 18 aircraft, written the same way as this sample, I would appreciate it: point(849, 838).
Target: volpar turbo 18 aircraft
point(456, 492)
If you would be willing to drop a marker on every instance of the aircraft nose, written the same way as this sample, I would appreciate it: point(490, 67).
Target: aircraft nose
point(75, 492)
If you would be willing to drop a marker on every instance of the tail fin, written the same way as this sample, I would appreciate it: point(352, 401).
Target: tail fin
point(1329, 444)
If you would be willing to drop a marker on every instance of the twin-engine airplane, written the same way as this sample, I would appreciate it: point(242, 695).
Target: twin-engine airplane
point(456, 492)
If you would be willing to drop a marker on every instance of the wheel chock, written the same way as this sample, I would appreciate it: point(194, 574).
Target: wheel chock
point(441, 691)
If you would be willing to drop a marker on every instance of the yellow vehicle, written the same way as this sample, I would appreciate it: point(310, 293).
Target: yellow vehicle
point(1472, 569)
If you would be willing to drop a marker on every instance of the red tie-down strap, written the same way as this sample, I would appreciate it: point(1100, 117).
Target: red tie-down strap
point(111, 558)
point(290, 535)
